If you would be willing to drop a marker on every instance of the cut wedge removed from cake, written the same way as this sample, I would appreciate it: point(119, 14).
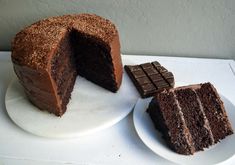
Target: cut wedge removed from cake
point(190, 118)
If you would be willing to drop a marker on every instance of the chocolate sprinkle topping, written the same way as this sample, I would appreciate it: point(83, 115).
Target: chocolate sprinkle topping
point(36, 43)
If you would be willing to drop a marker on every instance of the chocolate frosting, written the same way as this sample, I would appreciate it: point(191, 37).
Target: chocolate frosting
point(34, 47)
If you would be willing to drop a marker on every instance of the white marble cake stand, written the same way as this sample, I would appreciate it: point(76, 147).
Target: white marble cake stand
point(90, 109)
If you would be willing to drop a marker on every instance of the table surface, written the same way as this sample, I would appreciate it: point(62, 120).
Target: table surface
point(118, 144)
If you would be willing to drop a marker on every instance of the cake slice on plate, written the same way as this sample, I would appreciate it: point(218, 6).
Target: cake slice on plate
point(190, 118)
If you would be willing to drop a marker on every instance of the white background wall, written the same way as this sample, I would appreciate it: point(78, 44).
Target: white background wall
point(201, 28)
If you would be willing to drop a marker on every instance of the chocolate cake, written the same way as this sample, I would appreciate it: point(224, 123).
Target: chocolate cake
point(49, 54)
point(190, 118)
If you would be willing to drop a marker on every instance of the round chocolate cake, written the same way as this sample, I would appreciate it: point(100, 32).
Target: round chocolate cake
point(48, 55)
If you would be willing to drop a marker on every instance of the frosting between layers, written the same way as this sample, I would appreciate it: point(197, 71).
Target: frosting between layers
point(187, 134)
point(207, 124)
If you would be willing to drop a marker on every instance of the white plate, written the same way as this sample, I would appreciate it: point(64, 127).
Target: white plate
point(152, 138)
point(90, 109)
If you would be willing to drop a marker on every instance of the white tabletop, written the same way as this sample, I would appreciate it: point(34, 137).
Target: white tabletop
point(118, 144)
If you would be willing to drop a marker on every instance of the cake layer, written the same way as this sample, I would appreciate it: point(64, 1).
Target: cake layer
point(59, 69)
point(65, 70)
point(190, 118)
point(195, 118)
point(214, 111)
point(66, 95)
point(168, 118)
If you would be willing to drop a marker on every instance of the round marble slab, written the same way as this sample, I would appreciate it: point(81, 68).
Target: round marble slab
point(90, 109)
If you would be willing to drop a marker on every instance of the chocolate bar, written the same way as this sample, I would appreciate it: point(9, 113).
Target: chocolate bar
point(150, 78)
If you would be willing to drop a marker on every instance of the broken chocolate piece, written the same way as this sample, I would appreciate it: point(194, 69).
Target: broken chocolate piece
point(150, 78)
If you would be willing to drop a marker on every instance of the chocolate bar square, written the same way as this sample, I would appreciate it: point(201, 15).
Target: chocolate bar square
point(150, 78)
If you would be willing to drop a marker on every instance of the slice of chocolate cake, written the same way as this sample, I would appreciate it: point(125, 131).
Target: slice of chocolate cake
point(190, 118)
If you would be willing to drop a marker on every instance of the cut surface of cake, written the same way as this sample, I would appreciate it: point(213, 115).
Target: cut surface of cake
point(48, 55)
point(190, 118)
